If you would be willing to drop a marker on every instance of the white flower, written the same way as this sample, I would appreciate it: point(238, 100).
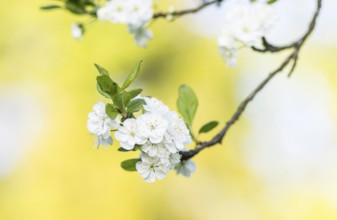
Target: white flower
point(103, 140)
point(151, 168)
point(152, 126)
point(100, 124)
point(129, 134)
point(177, 133)
point(245, 23)
point(140, 35)
point(155, 106)
point(155, 150)
point(130, 12)
point(229, 55)
point(77, 31)
point(171, 160)
point(185, 168)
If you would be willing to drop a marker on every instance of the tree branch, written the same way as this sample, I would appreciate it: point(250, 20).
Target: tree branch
point(186, 11)
point(297, 45)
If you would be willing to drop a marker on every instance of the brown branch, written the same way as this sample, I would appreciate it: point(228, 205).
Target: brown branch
point(186, 11)
point(217, 139)
point(268, 47)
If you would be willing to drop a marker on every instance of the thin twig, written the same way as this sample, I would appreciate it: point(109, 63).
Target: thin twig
point(297, 45)
point(186, 11)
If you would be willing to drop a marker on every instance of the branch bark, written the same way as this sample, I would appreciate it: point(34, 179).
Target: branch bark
point(186, 11)
point(297, 45)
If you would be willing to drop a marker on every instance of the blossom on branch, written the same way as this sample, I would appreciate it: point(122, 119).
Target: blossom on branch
point(100, 124)
point(160, 133)
point(135, 14)
point(245, 23)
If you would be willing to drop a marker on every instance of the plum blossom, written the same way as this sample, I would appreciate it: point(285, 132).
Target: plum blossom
point(152, 126)
point(129, 134)
point(155, 150)
point(135, 14)
point(171, 161)
point(155, 106)
point(245, 23)
point(151, 168)
point(129, 12)
point(77, 31)
point(186, 168)
point(100, 124)
point(177, 134)
point(140, 35)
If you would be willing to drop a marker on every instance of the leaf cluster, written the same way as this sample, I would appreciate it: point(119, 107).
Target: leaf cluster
point(78, 7)
point(123, 100)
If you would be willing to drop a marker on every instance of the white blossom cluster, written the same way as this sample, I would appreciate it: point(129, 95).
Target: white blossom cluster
point(245, 23)
point(133, 13)
point(159, 133)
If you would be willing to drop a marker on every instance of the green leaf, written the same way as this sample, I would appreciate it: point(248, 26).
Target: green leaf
point(135, 105)
point(122, 100)
point(123, 150)
point(74, 8)
point(50, 7)
point(187, 103)
point(111, 111)
point(132, 76)
point(271, 1)
point(130, 165)
point(101, 92)
point(208, 127)
point(101, 70)
point(106, 85)
point(134, 92)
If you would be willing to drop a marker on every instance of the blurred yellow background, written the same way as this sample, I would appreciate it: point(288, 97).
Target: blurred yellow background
point(278, 162)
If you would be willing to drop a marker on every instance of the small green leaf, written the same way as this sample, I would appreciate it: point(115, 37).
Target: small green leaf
point(111, 111)
point(208, 127)
point(101, 92)
point(134, 92)
point(74, 8)
point(106, 85)
point(123, 150)
point(50, 7)
point(130, 165)
point(122, 100)
point(101, 70)
point(132, 76)
point(135, 105)
point(271, 1)
point(187, 103)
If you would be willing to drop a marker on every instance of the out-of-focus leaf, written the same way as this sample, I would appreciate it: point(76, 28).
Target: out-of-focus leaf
point(122, 100)
point(135, 105)
point(101, 70)
point(130, 165)
point(208, 127)
point(132, 76)
point(134, 92)
point(111, 111)
point(187, 103)
point(106, 85)
point(50, 7)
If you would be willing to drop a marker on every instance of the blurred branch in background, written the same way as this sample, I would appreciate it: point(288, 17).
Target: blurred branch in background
point(186, 11)
point(297, 45)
